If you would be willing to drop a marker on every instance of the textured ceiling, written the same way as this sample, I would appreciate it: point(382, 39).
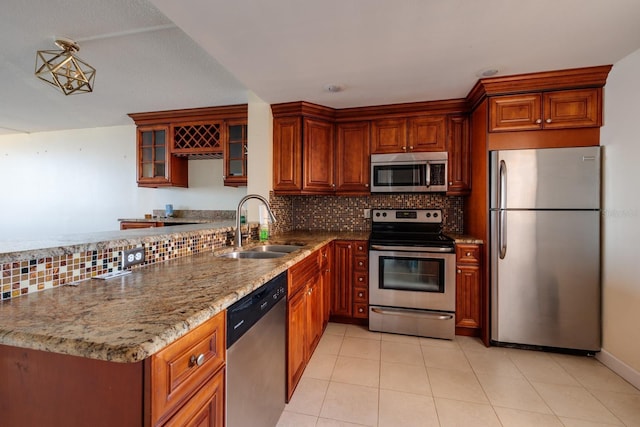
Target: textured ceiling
point(167, 54)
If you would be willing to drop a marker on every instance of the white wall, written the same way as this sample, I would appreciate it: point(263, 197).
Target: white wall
point(83, 180)
point(621, 216)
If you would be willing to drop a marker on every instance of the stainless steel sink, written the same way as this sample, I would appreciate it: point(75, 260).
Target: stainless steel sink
point(252, 254)
point(276, 248)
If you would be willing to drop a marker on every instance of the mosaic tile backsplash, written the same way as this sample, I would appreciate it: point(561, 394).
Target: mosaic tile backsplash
point(23, 277)
point(340, 213)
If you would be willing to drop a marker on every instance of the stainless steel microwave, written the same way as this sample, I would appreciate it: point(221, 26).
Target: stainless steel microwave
point(409, 172)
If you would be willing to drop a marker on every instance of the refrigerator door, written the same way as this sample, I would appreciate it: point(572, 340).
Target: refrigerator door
point(546, 289)
point(552, 178)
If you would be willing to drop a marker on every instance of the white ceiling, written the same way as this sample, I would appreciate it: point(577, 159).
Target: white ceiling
point(380, 51)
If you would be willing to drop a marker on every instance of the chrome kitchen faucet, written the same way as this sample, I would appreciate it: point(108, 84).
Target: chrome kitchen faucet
point(238, 213)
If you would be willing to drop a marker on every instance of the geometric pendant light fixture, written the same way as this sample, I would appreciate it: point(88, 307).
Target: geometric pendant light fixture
point(64, 70)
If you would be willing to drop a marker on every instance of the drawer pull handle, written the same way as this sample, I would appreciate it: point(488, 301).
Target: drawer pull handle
point(193, 361)
point(468, 254)
point(360, 294)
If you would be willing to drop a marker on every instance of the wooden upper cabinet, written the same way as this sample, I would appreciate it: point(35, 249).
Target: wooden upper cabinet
point(318, 156)
point(156, 166)
point(235, 154)
point(549, 110)
point(388, 136)
point(458, 147)
point(287, 154)
point(427, 133)
point(415, 134)
point(352, 158)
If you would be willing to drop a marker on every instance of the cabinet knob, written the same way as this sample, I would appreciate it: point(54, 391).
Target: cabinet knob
point(467, 254)
point(459, 271)
point(360, 263)
point(411, 147)
point(548, 120)
point(360, 310)
point(360, 279)
point(450, 182)
point(360, 247)
point(404, 148)
point(366, 185)
point(349, 247)
point(196, 360)
point(360, 294)
point(539, 121)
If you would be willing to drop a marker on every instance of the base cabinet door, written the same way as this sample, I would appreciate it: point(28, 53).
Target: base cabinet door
point(468, 290)
point(341, 300)
point(296, 338)
point(205, 408)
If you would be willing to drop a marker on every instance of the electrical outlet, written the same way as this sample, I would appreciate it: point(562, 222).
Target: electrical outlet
point(132, 257)
point(366, 214)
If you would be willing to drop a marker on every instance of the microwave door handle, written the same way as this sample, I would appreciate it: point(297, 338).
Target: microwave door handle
point(428, 180)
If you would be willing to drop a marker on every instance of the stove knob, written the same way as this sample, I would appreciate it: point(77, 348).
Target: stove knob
point(384, 214)
point(377, 214)
point(435, 214)
point(428, 214)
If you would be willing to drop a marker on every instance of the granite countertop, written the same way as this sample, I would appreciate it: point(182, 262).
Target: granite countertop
point(11, 250)
point(168, 220)
point(128, 318)
point(463, 238)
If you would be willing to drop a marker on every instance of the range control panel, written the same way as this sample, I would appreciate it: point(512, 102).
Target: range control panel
point(433, 216)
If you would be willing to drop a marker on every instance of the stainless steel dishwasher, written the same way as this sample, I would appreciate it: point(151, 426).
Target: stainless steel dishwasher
point(256, 356)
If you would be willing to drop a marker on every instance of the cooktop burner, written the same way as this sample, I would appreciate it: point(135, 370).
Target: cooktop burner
point(408, 227)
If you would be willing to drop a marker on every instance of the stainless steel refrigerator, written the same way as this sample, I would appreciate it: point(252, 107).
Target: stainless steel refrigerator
point(545, 248)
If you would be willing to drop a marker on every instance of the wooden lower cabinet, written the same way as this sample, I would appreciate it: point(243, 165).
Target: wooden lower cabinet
point(468, 289)
point(169, 388)
point(128, 225)
point(350, 290)
point(305, 315)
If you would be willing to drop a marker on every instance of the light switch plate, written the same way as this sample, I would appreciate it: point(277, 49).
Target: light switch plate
point(366, 214)
point(132, 257)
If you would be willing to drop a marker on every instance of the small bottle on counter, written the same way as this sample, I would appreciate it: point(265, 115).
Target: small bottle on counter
point(264, 232)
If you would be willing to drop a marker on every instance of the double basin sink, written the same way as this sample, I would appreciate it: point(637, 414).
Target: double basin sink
point(262, 252)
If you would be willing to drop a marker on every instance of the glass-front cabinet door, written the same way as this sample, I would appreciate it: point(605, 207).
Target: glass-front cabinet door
point(235, 156)
point(156, 167)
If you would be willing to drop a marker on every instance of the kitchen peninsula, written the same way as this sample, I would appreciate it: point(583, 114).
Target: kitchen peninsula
point(97, 338)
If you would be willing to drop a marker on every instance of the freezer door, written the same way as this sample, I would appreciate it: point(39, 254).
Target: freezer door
point(546, 289)
point(552, 178)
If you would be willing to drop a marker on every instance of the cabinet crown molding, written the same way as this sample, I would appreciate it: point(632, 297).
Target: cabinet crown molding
point(239, 111)
point(574, 78)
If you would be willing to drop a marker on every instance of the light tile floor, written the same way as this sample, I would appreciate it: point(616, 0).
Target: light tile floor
point(361, 378)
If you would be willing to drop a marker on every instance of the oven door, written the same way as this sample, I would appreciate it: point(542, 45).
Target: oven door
point(411, 278)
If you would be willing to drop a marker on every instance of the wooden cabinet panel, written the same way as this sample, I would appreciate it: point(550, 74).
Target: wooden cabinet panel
point(352, 158)
point(515, 112)
point(468, 289)
point(178, 370)
point(388, 136)
point(296, 340)
point(562, 109)
point(287, 154)
point(156, 166)
point(314, 315)
point(127, 225)
point(572, 108)
point(427, 133)
point(326, 272)
point(468, 296)
point(206, 408)
point(318, 156)
point(458, 146)
point(341, 291)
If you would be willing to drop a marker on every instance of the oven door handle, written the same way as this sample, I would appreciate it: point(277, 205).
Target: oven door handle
point(412, 313)
point(411, 249)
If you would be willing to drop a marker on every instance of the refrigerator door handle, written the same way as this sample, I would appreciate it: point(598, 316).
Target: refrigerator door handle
point(428, 175)
point(502, 216)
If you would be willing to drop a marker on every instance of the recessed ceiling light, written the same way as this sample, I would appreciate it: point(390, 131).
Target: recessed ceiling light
point(487, 72)
point(333, 88)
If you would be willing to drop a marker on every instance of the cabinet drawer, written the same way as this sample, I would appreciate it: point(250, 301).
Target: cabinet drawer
point(467, 254)
point(361, 248)
point(361, 279)
point(206, 408)
point(302, 272)
point(360, 295)
point(360, 263)
point(179, 370)
point(360, 311)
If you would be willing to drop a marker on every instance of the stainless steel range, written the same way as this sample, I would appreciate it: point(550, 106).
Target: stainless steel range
point(412, 286)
